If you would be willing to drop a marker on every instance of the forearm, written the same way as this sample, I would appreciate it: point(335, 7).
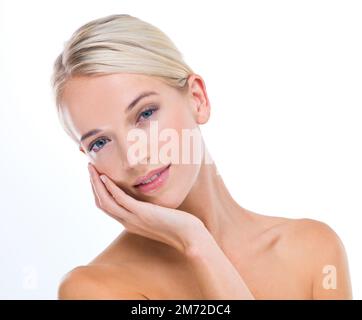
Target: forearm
point(216, 275)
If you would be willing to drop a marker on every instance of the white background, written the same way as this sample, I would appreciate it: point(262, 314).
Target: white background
point(284, 81)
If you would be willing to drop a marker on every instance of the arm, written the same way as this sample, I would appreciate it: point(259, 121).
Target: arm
point(315, 247)
point(216, 275)
point(331, 278)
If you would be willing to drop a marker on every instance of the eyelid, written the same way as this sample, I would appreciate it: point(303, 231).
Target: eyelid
point(152, 106)
point(91, 144)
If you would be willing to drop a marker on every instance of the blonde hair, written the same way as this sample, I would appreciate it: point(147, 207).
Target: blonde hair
point(119, 43)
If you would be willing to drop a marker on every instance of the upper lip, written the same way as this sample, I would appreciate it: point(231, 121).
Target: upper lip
point(150, 174)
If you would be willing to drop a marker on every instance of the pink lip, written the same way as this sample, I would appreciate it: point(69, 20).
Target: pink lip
point(149, 175)
point(156, 183)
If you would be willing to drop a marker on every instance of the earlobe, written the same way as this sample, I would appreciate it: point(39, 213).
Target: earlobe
point(204, 115)
point(202, 112)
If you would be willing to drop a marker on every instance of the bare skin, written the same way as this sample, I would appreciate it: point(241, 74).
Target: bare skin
point(267, 257)
point(269, 264)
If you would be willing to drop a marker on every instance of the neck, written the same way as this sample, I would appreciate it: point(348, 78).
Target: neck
point(212, 203)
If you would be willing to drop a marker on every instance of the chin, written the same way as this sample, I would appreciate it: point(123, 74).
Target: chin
point(170, 198)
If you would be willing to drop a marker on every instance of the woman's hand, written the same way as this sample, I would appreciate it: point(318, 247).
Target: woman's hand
point(173, 227)
point(216, 275)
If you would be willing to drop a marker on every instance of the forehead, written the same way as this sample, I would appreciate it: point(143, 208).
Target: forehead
point(89, 101)
point(123, 85)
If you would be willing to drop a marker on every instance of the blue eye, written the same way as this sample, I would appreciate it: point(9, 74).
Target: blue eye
point(95, 143)
point(147, 113)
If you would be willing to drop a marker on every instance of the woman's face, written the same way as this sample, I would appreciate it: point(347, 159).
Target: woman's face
point(160, 121)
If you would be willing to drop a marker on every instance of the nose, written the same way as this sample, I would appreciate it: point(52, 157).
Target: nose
point(130, 164)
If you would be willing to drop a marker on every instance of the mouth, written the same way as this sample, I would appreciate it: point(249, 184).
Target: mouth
point(154, 180)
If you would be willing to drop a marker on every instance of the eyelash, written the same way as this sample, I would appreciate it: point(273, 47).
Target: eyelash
point(152, 108)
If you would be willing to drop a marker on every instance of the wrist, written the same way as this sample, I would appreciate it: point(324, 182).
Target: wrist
point(198, 241)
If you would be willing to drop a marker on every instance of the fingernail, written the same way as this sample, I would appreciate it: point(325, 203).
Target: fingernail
point(103, 178)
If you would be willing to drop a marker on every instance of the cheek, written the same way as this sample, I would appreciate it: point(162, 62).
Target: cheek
point(178, 117)
point(182, 179)
point(185, 176)
point(186, 140)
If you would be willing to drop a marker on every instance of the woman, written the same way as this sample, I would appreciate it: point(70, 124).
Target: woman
point(185, 237)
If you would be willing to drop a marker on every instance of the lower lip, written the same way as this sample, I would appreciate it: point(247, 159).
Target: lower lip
point(155, 184)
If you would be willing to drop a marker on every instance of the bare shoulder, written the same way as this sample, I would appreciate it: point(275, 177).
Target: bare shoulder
point(311, 250)
point(304, 234)
point(313, 237)
point(98, 282)
point(110, 275)
point(118, 272)
point(319, 250)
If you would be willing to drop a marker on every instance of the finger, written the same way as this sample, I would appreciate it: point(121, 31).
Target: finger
point(106, 201)
point(99, 206)
point(94, 193)
point(120, 220)
point(123, 199)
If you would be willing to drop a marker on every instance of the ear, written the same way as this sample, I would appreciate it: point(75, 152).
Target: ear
point(199, 99)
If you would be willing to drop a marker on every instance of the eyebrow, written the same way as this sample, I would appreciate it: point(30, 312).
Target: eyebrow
point(128, 109)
